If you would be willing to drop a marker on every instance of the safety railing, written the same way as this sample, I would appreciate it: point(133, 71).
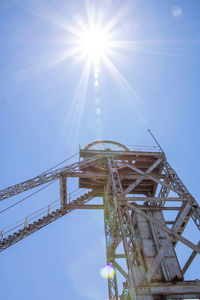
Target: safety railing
point(143, 148)
point(46, 210)
point(113, 147)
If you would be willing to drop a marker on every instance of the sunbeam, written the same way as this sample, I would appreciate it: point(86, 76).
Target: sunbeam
point(94, 39)
point(120, 80)
point(77, 106)
point(125, 87)
point(47, 62)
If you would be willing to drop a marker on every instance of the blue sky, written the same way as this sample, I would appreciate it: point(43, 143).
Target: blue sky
point(44, 117)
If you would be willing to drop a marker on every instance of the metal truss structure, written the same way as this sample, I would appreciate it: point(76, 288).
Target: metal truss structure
point(134, 184)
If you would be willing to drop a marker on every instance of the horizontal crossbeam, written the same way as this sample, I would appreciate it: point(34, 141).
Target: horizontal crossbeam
point(183, 289)
point(85, 206)
point(153, 199)
point(105, 176)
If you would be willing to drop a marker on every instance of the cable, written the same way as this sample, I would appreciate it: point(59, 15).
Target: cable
point(149, 130)
point(27, 197)
point(59, 164)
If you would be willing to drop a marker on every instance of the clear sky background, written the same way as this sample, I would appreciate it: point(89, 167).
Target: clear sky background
point(153, 81)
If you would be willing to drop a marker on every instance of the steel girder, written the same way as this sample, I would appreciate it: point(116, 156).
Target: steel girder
point(130, 288)
point(126, 232)
point(112, 238)
point(42, 179)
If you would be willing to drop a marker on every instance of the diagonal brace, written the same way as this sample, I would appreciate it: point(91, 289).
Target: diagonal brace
point(151, 177)
point(119, 268)
point(134, 184)
point(190, 259)
point(164, 227)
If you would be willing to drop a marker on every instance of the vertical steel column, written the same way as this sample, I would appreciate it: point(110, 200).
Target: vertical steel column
point(117, 190)
point(63, 191)
point(111, 237)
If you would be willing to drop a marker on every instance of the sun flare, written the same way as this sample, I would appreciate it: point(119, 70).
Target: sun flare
point(94, 44)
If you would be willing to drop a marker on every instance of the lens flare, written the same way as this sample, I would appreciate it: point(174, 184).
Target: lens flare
point(94, 44)
point(108, 271)
point(98, 111)
point(96, 83)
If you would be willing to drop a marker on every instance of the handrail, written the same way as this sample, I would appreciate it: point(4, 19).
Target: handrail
point(43, 211)
point(145, 148)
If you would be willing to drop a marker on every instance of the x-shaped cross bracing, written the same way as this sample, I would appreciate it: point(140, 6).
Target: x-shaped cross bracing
point(172, 232)
point(147, 175)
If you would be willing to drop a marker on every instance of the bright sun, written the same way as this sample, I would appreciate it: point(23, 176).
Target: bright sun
point(94, 44)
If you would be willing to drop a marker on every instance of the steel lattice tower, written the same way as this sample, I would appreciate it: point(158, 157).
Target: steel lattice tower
point(134, 184)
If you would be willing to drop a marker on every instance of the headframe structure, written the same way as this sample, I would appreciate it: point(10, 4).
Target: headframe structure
point(134, 184)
